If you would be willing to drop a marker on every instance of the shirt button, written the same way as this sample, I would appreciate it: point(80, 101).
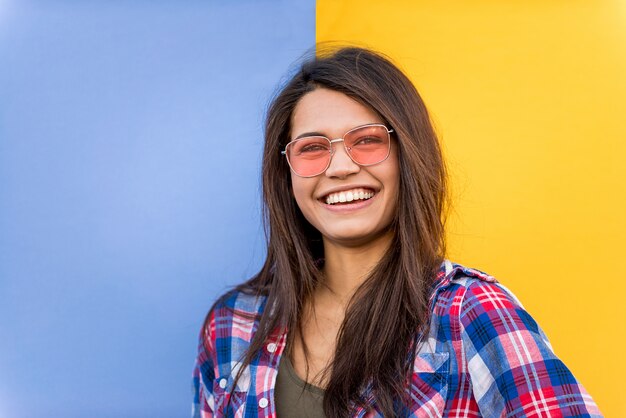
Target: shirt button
point(271, 347)
point(263, 402)
point(223, 383)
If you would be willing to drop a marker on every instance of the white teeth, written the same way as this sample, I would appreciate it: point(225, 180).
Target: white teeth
point(348, 196)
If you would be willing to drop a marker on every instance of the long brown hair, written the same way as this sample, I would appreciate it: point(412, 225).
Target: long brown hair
point(389, 311)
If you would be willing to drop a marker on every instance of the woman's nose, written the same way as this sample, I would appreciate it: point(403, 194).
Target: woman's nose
point(341, 165)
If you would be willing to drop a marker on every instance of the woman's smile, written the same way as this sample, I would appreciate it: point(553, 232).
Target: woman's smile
point(349, 201)
point(348, 196)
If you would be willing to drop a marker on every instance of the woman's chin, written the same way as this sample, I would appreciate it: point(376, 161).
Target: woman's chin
point(355, 237)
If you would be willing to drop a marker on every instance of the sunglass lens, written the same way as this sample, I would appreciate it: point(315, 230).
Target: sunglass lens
point(309, 156)
point(368, 145)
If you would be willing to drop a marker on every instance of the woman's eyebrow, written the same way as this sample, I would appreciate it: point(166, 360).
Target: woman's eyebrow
point(304, 135)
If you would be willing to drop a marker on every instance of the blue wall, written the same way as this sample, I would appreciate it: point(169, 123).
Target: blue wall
point(130, 138)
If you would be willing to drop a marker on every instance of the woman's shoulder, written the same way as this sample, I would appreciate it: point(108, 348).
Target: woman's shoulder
point(235, 314)
point(500, 344)
point(239, 305)
point(481, 310)
point(470, 296)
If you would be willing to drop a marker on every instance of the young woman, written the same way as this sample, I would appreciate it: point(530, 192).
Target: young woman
point(356, 312)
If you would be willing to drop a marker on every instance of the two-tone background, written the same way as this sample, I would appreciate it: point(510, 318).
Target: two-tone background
point(130, 137)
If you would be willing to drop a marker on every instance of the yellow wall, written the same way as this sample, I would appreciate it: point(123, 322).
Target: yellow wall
point(530, 102)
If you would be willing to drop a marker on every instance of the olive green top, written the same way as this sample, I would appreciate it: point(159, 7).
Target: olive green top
point(294, 397)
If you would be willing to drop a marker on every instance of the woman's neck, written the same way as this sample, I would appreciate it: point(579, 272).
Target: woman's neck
point(346, 267)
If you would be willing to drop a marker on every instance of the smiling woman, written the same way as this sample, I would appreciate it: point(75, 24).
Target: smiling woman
point(356, 311)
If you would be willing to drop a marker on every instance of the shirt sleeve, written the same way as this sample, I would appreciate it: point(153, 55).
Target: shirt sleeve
point(203, 377)
point(512, 367)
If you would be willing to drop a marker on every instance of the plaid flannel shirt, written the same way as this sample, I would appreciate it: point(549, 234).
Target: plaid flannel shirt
point(484, 356)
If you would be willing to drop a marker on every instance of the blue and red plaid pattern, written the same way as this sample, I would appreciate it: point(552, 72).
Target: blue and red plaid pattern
point(484, 356)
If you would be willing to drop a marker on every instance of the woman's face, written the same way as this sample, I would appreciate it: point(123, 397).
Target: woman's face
point(361, 221)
